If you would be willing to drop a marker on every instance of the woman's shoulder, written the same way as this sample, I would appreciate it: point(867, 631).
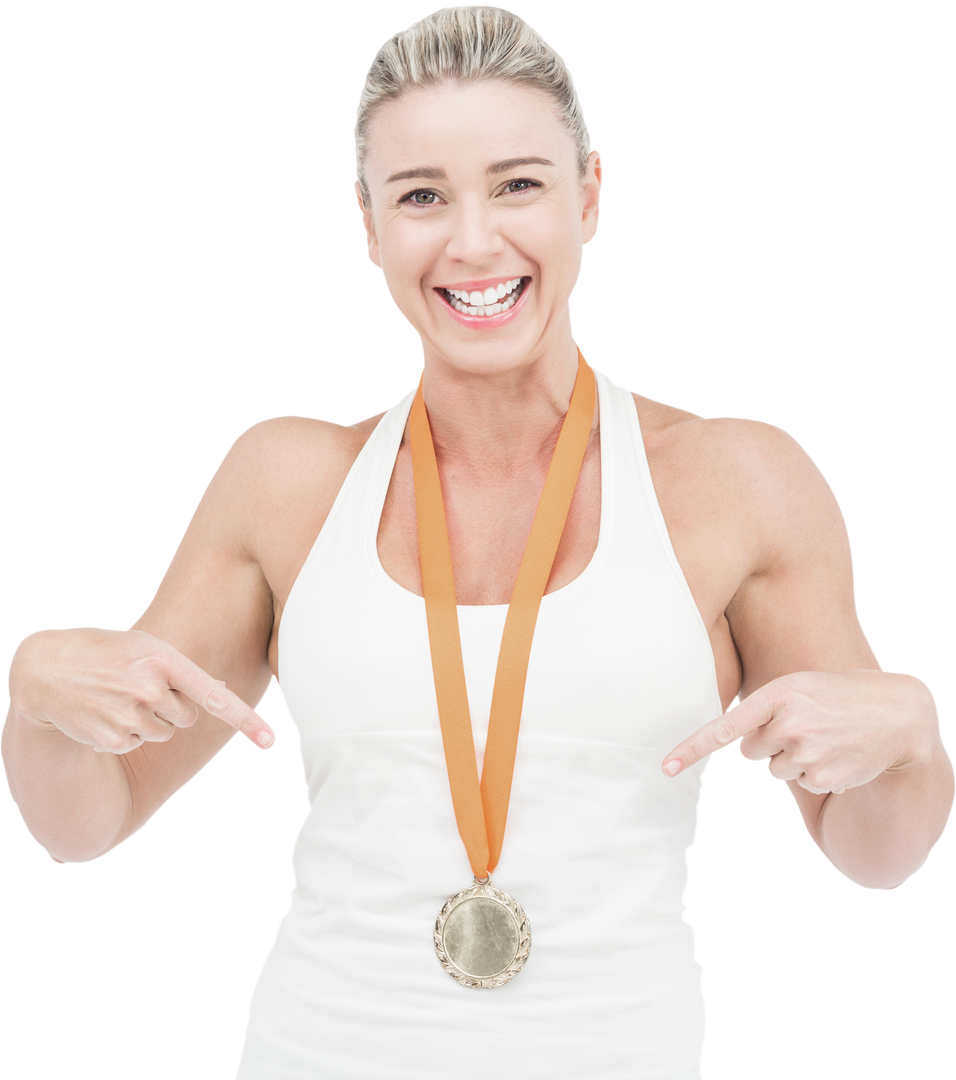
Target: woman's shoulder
point(295, 447)
point(729, 447)
point(281, 434)
point(282, 461)
point(275, 487)
point(751, 470)
point(657, 418)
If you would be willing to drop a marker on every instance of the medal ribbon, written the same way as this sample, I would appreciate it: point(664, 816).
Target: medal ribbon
point(481, 810)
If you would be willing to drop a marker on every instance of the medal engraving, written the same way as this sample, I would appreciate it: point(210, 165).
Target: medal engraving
point(482, 937)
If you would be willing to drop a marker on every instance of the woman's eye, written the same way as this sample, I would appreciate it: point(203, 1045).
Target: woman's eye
point(516, 186)
point(413, 196)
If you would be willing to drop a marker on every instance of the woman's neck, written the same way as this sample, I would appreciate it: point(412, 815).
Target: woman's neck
point(499, 422)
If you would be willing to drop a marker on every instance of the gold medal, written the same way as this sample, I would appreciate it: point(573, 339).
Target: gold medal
point(482, 936)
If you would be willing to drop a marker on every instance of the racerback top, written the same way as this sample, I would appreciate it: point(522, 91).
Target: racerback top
point(621, 671)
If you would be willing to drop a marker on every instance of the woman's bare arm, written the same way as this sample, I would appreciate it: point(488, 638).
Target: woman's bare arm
point(105, 725)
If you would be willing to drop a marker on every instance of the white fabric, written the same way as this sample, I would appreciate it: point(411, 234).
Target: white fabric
point(621, 670)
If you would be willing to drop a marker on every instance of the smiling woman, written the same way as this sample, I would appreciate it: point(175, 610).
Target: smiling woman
point(509, 618)
point(659, 562)
point(505, 189)
point(497, 90)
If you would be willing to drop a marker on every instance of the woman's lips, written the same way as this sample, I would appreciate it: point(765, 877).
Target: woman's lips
point(478, 322)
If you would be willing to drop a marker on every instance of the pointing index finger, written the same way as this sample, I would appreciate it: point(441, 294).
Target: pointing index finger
point(219, 701)
point(742, 719)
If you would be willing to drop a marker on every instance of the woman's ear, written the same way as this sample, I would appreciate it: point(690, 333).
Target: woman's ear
point(593, 196)
point(367, 227)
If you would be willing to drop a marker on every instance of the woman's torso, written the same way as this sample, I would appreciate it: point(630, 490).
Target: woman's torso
point(598, 840)
point(698, 514)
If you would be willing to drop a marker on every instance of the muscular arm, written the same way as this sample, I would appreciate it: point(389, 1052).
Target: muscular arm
point(213, 606)
point(793, 609)
point(797, 611)
point(221, 599)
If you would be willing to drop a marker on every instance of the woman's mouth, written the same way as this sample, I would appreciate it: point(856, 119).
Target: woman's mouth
point(494, 300)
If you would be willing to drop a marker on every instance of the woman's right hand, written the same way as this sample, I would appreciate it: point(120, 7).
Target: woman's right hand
point(116, 689)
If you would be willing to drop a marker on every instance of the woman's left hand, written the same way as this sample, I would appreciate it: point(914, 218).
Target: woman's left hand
point(828, 732)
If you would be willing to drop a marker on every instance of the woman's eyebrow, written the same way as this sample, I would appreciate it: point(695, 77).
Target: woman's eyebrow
point(430, 172)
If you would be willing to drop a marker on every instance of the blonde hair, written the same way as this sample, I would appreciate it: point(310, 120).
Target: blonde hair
point(463, 45)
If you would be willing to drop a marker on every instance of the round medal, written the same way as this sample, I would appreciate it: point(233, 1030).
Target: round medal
point(482, 936)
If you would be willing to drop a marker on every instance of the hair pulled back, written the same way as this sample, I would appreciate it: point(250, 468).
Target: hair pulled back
point(465, 45)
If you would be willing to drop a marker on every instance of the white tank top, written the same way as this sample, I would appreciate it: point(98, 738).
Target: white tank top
point(621, 671)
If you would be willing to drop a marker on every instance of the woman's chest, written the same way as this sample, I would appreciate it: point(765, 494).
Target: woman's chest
point(488, 526)
point(489, 521)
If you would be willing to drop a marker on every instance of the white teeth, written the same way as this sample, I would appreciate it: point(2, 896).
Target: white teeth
point(486, 302)
point(488, 295)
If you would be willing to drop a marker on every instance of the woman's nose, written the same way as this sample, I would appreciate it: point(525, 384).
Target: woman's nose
point(475, 235)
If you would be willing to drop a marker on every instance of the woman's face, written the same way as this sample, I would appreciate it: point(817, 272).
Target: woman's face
point(477, 217)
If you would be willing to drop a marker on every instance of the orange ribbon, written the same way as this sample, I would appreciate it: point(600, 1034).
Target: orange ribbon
point(481, 810)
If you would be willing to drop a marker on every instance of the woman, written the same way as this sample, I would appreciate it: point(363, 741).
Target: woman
point(657, 620)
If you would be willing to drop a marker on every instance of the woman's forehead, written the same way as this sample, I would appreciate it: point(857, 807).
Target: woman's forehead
point(477, 126)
